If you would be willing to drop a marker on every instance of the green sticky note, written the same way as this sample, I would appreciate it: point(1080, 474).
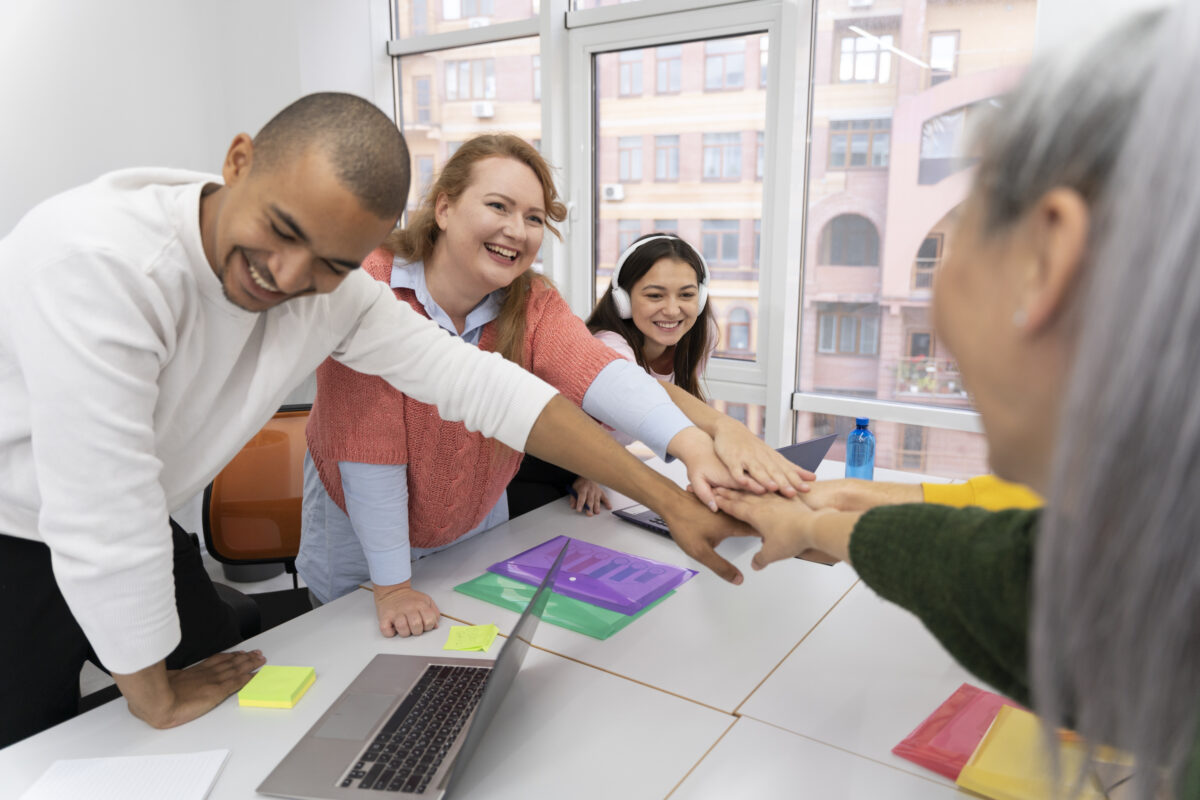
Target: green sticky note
point(277, 687)
point(471, 637)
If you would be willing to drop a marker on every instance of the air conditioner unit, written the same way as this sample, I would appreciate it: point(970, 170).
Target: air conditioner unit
point(483, 109)
point(860, 3)
point(612, 191)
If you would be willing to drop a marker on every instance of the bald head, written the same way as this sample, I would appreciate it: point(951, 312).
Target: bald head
point(367, 151)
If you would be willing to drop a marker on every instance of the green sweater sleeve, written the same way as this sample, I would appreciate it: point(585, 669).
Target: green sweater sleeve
point(965, 573)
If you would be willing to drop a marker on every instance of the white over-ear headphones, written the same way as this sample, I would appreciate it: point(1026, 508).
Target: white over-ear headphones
point(621, 299)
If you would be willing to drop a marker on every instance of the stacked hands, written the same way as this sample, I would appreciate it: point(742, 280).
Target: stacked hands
point(732, 471)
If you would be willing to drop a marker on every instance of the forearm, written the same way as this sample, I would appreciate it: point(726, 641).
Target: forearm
point(377, 505)
point(564, 435)
point(149, 694)
point(702, 415)
point(831, 530)
point(625, 398)
point(852, 494)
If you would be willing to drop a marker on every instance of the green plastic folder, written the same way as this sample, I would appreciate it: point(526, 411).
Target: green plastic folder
point(565, 612)
point(277, 687)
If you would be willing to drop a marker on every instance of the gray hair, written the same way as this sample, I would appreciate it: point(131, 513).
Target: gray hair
point(1115, 628)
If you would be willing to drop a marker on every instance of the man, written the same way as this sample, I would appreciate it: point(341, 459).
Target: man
point(150, 323)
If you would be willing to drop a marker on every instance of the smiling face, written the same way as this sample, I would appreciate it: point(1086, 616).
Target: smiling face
point(665, 304)
point(490, 234)
point(281, 233)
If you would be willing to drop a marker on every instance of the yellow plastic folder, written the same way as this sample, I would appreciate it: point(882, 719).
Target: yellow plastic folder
point(1011, 763)
point(277, 687)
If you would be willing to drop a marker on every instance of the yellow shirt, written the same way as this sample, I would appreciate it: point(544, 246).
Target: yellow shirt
point(985, 491)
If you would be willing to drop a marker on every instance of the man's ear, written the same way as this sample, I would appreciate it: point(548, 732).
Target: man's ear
point(1057, 228)
point(239, 159)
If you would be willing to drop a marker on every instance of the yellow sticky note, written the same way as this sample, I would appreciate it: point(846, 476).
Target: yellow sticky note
point(471, 637)
point(277, 687)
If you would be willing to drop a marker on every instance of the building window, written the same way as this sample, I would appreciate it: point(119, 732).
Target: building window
point(848, 329)
point(762, 61)
point(739, 330)
point(457, 9)
point(865, 59)
point(722, 156)
point(627, 231)
point(630, 79)
point(719, 242)
point(451, 148)
point(943, 144)
point(724, 64)
point(860, 143)
point(849, 240)
point(737, 411)
point(920, 344)
point(667, 226)
point(629, 149)
point(422, 99)
point(420, 17)
point(424, 175)
point(668, 68)
point(537, 78)
point(912, 447)
point(929, 255)
point(666, 158)
point(471, 80)
point(943, 56)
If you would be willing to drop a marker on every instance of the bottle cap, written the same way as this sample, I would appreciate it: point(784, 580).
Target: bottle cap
point(861, 421)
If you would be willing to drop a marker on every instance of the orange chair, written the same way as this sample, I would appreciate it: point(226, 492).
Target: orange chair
point(251, 511)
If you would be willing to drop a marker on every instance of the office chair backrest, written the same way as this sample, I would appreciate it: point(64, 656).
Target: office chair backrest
point(251, 511)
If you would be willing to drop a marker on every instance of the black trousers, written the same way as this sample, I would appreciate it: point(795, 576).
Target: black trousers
point(44, 647)
point(537, 483)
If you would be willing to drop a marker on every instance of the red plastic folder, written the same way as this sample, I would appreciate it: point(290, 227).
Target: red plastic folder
point(947, 738)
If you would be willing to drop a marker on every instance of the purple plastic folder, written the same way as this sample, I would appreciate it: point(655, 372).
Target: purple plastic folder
point(597, 575)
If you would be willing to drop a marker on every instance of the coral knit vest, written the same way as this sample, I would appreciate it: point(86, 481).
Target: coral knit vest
point(455, 476)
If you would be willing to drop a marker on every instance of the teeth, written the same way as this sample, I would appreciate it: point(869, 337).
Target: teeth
point(667, 325)
point(502, 251)
point(261, 279)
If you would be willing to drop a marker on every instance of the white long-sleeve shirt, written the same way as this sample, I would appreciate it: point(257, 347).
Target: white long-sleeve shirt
point(128, 380)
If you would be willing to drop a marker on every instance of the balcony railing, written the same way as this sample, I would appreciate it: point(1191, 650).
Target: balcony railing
point(936, 377)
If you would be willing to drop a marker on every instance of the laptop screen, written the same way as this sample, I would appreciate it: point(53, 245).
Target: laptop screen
point(504, 671)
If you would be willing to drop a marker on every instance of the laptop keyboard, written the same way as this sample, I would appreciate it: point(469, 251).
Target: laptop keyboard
point(415, 739)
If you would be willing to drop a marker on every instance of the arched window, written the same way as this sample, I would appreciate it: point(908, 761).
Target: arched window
point(849, 240)
point(739, 329)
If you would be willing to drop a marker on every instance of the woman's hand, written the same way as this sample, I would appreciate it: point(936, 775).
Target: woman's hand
point(705, 470)
point(403, 611)
point(754, 466)
point(854, 494)
point(788, 526)
point(587, 497)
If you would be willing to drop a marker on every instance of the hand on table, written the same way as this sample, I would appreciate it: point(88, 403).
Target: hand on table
point(755, 467)
point(403, 611)
point(588, 497)
point(698, 531)
point(166, 698)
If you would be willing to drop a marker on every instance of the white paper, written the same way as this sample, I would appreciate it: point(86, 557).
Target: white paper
point(183, 776)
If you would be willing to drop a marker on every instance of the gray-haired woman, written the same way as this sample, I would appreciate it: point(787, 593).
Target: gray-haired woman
point(1071, 300)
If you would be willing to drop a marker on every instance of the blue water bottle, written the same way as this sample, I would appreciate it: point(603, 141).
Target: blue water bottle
point(860, 451)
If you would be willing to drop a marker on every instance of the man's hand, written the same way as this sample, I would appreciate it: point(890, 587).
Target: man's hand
point(588, 496)
point(403, 611)
point(754, 466)
point(166, 698)
point(788, 526)
point(698, 531)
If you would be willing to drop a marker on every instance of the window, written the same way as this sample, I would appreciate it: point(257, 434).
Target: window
point(912, 447)
point(859, 144)
point(666, 158)
point(424, 175)
point(627, 231)
point(943, 56)
point(762, 61)
point(848, 329)
point(737, 411)
point(630, 82)
point(471, 80)
point(451, 148)
point(667, 226)
point(739, 330)
point(451, 9)
point(629, 149)
point(760, 155)
point(420, 17)
point(865, 58)
point(920, 344)
point(929, 255)
point(757, 241)
point(849, 240)
point(719, 242)
point(537, 78)
point(668, 69)
point(722, 156)
point(724, 64)
point(943, 143)
point(457, 9)
point(422, 99)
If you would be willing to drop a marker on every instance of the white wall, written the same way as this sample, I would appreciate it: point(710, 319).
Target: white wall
point(86, 87)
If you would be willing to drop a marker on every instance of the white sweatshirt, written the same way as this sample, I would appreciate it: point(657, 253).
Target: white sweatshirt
point(128, 380)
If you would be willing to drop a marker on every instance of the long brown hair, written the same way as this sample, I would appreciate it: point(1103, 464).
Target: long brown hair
point(416, 241)
point(691, 353)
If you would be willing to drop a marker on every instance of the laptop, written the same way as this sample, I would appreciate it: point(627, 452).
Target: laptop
point(406, 724)
point(806, 455)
